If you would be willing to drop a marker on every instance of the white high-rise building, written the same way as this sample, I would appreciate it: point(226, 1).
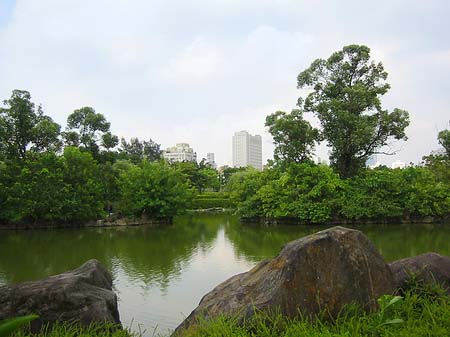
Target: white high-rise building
point(210, 159)
point(247, 150)
point(180, 152)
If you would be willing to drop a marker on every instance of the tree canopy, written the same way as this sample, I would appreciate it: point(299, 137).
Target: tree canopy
point(294, 137)
point(345, 95)
point(444, 140)
point(23, 126)
point(89, 130)
point(137, 151)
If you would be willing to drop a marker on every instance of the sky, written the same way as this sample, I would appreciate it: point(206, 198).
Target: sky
point(197, 71)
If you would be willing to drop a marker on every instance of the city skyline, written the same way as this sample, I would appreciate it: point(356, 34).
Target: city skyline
point(221, 66)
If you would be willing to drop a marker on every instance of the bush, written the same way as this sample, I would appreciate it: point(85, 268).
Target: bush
point(152, 190)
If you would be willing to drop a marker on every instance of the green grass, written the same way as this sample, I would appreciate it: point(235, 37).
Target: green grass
point(74, 330)
point(212, 200)
point(422, 311)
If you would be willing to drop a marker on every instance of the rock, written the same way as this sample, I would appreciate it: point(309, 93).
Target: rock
point(425, 268)
point(325, 270)
point(83, 295)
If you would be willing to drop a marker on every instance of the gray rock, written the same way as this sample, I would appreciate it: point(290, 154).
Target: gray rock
point(83, 295)
point(425, 268)
point(322, 271)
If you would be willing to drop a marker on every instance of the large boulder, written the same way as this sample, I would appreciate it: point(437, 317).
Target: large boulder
point(83, 295)
point(425, 268)
point(322, 271)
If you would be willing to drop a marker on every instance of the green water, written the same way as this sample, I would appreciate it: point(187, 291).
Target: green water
point(160, 274)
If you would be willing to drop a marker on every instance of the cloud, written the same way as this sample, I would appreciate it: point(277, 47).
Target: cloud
point(198, 71)
point(199, 62)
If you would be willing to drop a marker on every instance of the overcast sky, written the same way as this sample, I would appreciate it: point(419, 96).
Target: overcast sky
point(197, 71)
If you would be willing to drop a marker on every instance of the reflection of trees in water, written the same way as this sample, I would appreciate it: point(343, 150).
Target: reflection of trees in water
point(150, 254)
point(157, 255)
point(30, 255)
point(400, 241)
point(257, 242)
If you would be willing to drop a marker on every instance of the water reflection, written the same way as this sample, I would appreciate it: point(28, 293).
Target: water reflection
point(161, 273)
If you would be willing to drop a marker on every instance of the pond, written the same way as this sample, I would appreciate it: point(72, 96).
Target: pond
point(161, 273)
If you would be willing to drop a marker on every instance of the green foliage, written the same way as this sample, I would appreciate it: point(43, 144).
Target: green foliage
point(226, 174)
point(152, 190)
point(212, 200)
point(444, 140)
point(137, 151)
point(89, 130)
point(346, 92)
point(293, 136)
point(50, 188)
point(304, 191)
point(9, 326)
point(39, 185)
point(24, 126)
point(412, 315)
point(200, 176)
point(315, 194)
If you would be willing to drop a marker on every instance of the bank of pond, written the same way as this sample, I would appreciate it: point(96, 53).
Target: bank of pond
point(73, 189)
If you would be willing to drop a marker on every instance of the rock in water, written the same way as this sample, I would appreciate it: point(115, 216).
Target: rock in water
point(425, 268)
point(83, 295)
point(322, 271)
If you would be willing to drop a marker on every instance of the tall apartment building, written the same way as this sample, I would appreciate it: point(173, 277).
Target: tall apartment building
point(180, 152)
point(210, 159)
point(247, 150)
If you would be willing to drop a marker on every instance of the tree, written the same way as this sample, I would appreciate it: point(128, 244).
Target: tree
point(293, 136)
point(24, 127)
point(136, 151)
point(89, 130)
point(345, 96)
point(153, 190)
point(444, 140)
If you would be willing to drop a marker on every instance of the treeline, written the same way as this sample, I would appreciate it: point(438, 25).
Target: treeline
point(49, 176)
point(311, 193)
point(344, 95)
point(86, 173)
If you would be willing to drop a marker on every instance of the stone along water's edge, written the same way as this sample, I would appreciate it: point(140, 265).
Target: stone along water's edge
point(83, 295)
point(323, 271)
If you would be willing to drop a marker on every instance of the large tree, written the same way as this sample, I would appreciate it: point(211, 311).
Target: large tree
point(345, 93)
point(293, 136)
point(23, 127)
point(89, 131)
point(136, 150)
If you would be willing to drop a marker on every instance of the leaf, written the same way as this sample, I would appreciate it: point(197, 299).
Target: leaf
point(393, 321)
point(11, 325)
point(394, 300)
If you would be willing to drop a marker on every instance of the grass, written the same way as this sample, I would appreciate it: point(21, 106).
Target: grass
point(424, 310)
point(212, 200)
point(74, 330)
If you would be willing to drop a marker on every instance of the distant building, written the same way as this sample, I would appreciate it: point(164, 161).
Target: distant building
point(210, 159)
point(398, 165)
point(247, 150)
point(180, 152)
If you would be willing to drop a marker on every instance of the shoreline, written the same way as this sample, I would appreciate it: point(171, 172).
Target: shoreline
point(102, 223)
point(292, 221)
